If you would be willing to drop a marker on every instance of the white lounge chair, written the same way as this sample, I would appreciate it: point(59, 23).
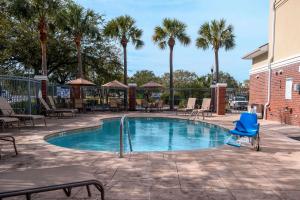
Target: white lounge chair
point(5, 121)
point(7, 111)
point(189, 107)
point(56, 112)
point(65, 110)
point(205, 108)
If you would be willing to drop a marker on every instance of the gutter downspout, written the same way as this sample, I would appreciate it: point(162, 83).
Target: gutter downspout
point(267, 105)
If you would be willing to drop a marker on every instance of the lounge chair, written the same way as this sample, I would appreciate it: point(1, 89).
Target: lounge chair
point(56, 112)
point(145, 104)
point(205, 108)
point(34, 181)
point(156, 106)
point(79, 104)
point(9, 138)
point(52, 103)
point(7, 111)
point(247, 126)
point(160, 105)
point(5, 121)
point(189, 107)
point(116, 104)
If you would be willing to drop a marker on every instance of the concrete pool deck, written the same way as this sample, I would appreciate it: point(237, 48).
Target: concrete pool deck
point(222, 173)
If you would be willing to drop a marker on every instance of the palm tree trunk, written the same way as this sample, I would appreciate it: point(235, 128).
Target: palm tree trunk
point(217, 64)
point(78, 47)
point(44, 57)
point(43, 40)
point(125, 64)
point(124, 44)
point(171, 80)
point(44, 69)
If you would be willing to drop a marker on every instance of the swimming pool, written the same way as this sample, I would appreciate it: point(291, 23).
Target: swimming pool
point(146, 133)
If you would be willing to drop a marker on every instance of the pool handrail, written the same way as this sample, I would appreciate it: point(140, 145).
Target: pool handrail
point(121, 136)
point(129, 136)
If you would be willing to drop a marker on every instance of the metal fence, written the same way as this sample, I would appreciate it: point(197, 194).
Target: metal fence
point(237, 100)
point(181, 95)
point(21, 93)
point(93, 96)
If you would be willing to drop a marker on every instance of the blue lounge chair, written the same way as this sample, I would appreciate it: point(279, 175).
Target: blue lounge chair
point(247, 126)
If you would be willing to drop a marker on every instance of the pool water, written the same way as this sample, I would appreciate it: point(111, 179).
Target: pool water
point(147, 134)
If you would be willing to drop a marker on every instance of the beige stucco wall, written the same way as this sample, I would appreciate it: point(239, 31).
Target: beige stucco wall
point(260, 61)
point(287, 29)
point(271, 26)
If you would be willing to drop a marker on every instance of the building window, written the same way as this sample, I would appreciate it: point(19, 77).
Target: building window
point(288, 88)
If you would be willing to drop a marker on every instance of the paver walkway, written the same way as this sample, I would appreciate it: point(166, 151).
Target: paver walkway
point(223, 173)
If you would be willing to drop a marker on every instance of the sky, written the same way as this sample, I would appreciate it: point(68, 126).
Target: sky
point(249, 18)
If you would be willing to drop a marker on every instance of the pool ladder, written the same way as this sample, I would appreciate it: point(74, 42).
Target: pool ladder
point(122, 129)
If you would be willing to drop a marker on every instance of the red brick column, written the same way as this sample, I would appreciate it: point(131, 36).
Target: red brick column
point(132, 96)
point(75, 94)
point(221, 98)
point(213, 95)
point(44, 89)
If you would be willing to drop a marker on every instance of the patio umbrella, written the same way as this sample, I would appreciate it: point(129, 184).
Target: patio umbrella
point(152, 85)
point(77, 83)
point(80, 81)
point(115, 85)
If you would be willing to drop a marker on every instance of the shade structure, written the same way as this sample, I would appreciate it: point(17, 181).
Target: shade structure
point(152, 85)
point(115, 85)
point(76, 85)
point(80, 81)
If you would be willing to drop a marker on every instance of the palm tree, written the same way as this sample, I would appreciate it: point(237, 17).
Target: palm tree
point(217, 35)
point(79, 23)
point(124, 30)
point(170, 31)
point(39, 11)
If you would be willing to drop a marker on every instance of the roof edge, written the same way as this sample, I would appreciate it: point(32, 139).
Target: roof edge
point(257, 52)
